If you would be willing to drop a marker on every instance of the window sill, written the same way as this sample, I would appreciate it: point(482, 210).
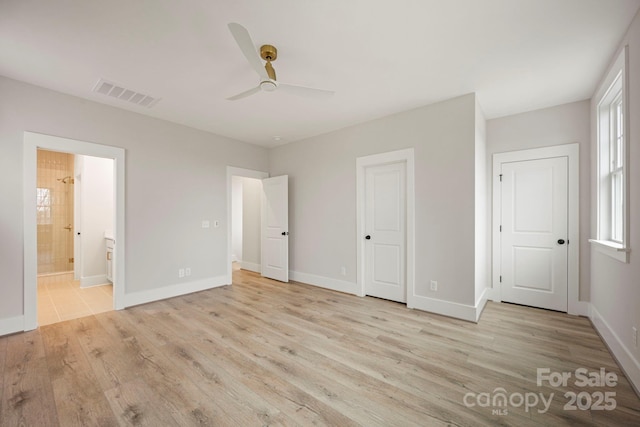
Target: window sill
point(612, 249)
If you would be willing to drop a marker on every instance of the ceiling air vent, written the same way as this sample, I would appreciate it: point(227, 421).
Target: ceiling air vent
point(116, 91)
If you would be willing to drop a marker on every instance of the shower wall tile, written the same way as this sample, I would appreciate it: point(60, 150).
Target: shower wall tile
point(55, 211)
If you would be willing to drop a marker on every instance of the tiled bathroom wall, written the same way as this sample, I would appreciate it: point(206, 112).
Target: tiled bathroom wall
point(55, 212)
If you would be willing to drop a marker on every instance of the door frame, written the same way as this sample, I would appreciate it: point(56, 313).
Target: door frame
point(245, 173)
point(362, 163)
point(572, 153)
point(33, 141)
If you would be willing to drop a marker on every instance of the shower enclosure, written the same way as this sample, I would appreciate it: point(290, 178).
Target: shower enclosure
point(54, 208)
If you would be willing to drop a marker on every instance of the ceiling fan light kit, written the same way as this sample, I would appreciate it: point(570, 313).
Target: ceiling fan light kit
point(268, 86)
point(266, 72)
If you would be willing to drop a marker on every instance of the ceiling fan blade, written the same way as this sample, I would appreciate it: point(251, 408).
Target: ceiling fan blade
point(244, 94)
point(305, 91)
point(247, 47)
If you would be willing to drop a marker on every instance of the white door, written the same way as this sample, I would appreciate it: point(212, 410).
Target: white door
point(534, 233)
point(275, 228)
point(385, 231)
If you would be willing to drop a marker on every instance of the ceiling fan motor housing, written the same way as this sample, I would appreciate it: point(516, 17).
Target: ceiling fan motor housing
point(268, 52)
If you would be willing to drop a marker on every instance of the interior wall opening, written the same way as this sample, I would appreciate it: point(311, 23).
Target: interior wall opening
point(245, 223)
point(74, 220)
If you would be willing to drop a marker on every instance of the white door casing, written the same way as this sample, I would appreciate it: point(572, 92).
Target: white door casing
point(385, 228)
point(534, 233)
point(275, 228)
point(33, 141)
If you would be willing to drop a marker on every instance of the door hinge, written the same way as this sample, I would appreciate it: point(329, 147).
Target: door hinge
point(500, 177)
point(500, 279)
point(501, 229)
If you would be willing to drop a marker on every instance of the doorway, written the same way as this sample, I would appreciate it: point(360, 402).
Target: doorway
point(244, 192)
point(245, 223)
point(535, 228)
point(32, 143)
point(385, 225)
point(74, 215)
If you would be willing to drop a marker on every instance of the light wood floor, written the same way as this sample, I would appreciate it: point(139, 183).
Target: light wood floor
point(265, 353)
point(61, 298)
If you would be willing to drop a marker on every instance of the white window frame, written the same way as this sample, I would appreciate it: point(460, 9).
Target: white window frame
point(612, 162)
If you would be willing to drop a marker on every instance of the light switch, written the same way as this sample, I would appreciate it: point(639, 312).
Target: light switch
point(216, 224)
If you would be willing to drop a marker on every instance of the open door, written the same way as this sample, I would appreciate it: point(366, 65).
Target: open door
point(275, 228)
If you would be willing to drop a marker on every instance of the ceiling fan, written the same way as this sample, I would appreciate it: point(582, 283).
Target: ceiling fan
point(266, 72)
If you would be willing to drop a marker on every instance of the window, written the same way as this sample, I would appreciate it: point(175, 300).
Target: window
point(43, 206)
point(611, 172)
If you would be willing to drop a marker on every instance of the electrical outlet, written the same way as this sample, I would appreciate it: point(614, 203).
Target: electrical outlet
point(634, 332)
point(434, 285)
point(187, 271)
point(205, 224)
point(181, 272)
point(343, 271)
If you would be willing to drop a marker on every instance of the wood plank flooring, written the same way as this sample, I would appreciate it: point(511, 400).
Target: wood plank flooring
point(262, 353)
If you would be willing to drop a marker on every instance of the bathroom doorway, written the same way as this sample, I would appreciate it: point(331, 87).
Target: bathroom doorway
point(74, 216)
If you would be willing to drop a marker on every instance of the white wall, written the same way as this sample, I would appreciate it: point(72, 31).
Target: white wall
point(251, 223)
point(322, 195)
point(615, 286)
point(175, 178)
point(558, 125)
point(96, 216)
point(236, 221)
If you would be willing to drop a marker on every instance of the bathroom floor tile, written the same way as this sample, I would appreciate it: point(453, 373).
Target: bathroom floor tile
point(61, 298)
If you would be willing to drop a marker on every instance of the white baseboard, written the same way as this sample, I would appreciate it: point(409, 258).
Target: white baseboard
point(629, 364)
point(467, 312)
point(143, 297)
point(447, 308)
point(481, 303)
point(581, 309)
point(251, 266)
point(234, 258)
point(325, 282)
point(87, 282)
point(11, 325)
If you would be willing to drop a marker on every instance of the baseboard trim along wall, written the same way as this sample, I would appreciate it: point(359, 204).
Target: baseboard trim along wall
point(90, 281)
point(251, 266)
point(143, 297)
point(467, 312)
point(470, 313)
point(11, 325)
point(481, 303)
point(325, 282)
point(621, 353)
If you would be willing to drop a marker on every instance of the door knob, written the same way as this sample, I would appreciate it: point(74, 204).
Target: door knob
point(285, 233)
point(561, 241)
point(367, 237)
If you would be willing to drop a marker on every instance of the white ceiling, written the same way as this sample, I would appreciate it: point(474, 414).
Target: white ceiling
point(380, 56)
